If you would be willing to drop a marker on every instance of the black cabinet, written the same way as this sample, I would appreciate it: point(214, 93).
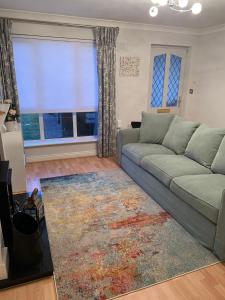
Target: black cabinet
point(6, 202)
point(19, 274)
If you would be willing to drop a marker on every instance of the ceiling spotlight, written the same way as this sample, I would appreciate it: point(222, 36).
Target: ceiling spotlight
point(183, 3)
point(196, 8)
point(155, 1)
point(153, 11)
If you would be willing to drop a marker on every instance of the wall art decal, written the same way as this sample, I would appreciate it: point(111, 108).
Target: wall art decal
point(129, 66)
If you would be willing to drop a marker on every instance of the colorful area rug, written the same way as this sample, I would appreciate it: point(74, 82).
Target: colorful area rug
point(108, 237)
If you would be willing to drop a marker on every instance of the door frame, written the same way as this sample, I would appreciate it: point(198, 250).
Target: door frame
point(182, 51)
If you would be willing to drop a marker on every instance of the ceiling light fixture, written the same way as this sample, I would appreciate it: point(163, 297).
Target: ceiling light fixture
point(177, 5)
point(162, 2)
point(153, 11)
point(182, 3)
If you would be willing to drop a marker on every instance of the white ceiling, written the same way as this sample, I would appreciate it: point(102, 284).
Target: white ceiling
point(213, 13)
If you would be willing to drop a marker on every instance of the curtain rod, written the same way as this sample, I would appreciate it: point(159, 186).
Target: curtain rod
point(51, 23)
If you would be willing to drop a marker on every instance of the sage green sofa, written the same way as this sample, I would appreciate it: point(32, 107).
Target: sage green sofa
point(181, 165)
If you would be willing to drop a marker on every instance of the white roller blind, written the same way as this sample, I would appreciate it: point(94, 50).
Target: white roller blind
point(55, 75)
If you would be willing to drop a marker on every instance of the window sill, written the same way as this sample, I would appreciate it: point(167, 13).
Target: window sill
point(53, 142)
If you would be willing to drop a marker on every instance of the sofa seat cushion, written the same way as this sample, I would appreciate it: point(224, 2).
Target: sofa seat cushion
point(167, 167)
point(136, 151)
point(202, 192)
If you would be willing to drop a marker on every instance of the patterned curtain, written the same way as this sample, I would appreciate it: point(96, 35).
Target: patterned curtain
point(8, 89)
point(106, 64)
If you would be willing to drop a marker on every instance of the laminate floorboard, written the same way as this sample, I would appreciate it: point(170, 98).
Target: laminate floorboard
point(206, 284)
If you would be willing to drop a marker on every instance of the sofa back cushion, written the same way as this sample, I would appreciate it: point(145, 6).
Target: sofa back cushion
point(218, 165)
point(179, 134)
point(154, 127)
point(204, 144)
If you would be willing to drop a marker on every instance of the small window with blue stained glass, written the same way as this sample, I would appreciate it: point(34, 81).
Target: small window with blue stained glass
point(174, 80)
point(158, 80)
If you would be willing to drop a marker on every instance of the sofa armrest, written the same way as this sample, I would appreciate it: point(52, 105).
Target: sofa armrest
point(126, 136)
point(219, 245)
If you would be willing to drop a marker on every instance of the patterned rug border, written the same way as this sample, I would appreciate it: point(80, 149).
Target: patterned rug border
point(148, 286)
point(92, 172)
point(55, 285)
point(163, 281)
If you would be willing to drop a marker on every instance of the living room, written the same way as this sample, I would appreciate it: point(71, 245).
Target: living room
point(112, 127)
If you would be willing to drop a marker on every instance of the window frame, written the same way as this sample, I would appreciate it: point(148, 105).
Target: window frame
point(60, 141)
point(181, 51)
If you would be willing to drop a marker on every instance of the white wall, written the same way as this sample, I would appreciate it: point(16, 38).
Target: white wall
point(207, 104)
point(53, 152)
point(132, 93)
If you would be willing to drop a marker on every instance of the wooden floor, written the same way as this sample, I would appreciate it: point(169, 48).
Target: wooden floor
point(206, 284)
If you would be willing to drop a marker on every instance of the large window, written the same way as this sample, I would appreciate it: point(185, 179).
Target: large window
point(57, 85)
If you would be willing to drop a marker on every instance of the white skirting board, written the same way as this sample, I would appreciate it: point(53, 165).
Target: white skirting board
point(55, 156)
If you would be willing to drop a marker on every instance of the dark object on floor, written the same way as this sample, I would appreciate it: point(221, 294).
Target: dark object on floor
point(44, 268)
point(26, 240)
point(135, 124)
point(33, 206)
point(6, 206)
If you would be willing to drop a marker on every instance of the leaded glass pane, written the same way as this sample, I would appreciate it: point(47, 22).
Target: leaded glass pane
point(174, 80)
point(158, 80)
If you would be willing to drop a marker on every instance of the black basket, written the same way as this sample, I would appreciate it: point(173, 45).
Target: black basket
point(27, 249)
